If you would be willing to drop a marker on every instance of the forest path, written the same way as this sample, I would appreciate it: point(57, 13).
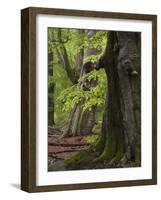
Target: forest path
point(60, 148)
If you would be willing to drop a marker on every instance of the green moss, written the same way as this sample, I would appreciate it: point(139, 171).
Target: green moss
point(119, 150)
point(91, 138)
point(97, 128)
point(99, 145)
point(138, 155)
point(50, 167)
point(115, 160)
point(109, 149)
point(80, 160)
point(73, 158)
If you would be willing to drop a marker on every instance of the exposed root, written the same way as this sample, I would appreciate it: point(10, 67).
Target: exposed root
point(109, 151)
point(115, 160)
point(99, 155)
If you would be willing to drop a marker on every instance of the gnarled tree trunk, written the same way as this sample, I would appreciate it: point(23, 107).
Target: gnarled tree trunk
point(81, 122)
point(121, 130)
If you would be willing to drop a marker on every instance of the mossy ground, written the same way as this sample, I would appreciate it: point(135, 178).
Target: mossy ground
point(95, 155)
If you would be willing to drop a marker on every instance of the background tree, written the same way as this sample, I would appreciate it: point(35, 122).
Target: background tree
point(81, 121)
point(59, 75)
point(51, 86)
point(71, 49)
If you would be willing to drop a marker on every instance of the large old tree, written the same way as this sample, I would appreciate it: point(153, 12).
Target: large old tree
point(121, 129)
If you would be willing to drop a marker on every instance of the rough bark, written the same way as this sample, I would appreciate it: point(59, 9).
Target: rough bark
point(121, 127)
point(79, 122)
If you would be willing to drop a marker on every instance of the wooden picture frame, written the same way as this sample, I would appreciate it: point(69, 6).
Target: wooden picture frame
point(28, 98)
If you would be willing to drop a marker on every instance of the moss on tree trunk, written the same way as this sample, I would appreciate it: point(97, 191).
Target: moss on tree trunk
point(121, 124)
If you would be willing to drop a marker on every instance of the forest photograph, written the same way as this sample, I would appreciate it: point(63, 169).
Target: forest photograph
point(94, 99)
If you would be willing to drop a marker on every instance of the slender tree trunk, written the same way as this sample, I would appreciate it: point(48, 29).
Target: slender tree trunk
point(121, 129)
point(50, 92)
point(80, 56)
point(65, 59)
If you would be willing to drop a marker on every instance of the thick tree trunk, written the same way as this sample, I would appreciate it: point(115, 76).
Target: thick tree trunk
point(121, 129)
point(81, 122)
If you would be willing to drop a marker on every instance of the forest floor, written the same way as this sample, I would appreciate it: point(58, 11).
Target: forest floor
point(61, 148)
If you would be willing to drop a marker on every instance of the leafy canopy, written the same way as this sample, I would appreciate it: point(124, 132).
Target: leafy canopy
point(75, 94)
point(66, 95)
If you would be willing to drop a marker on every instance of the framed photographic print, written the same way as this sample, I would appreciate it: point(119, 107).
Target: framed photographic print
point(88, 99)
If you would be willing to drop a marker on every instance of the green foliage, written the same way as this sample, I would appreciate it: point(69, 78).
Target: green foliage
point(65, 94)
point(61, 81)
point(60, 78)
point(97, 127)
point(92, 138)
point(98, 42)
point(75, 94)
